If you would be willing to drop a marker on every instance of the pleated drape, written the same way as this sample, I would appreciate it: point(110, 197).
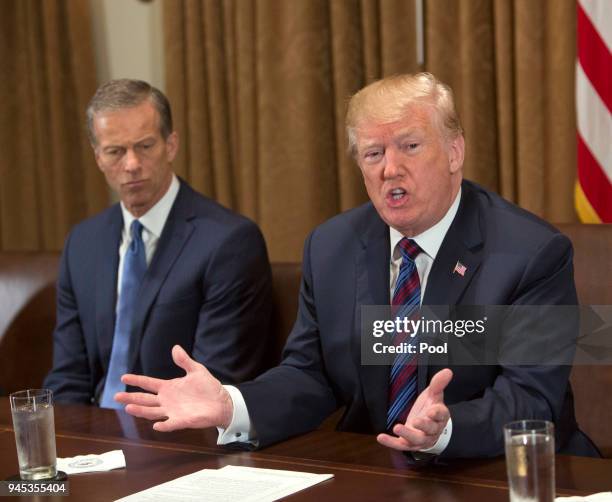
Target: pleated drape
point(259, 89)
point(48, 179)
point(511, 64)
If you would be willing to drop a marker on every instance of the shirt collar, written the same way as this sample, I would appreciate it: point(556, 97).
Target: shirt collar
point(155, 218)
point(431, 239)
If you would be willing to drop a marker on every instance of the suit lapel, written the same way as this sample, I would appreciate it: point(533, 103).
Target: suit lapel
point(107, 264)
point(461, 245)
point(175, 234)
point(372, 272)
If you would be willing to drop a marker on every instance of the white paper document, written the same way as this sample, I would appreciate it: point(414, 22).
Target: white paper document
point(596, 497)
point(229, 484)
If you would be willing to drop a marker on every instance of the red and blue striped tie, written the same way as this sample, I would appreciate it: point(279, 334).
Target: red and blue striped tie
point(406, 299)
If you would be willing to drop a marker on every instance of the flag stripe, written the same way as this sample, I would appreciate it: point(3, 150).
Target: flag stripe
point(594, 122)
point(594, 57)
point(597, 11)
point(594, 182)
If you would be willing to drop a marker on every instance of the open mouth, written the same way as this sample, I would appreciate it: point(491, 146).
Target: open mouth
point(397, 194)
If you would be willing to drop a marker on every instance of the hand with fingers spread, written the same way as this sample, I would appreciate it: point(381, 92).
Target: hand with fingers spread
point(426, 419)
point(197, 400)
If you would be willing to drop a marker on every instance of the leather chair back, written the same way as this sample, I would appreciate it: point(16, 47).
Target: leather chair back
point(27, 318)
point(592, 385)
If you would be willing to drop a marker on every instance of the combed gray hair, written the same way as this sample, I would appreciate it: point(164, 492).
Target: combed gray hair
point(126, 93)
point(387, 100)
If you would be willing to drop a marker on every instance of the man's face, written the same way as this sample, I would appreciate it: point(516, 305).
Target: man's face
point(412, 174)
point(133, 156)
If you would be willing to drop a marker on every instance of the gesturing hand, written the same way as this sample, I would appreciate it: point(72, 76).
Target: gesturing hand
point(426, 419)
point(197, 400)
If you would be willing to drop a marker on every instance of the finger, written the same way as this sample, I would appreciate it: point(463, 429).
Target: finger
point(411, 435)
point(140, 398)
point(428, 426)
point(150, 413)
point(168, 425)
point(144, 382)
point(393, 442)
point(439, 413)
point(439, 381)
point(182, 359)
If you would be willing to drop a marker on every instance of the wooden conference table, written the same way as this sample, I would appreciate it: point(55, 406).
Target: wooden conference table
point(363, 470)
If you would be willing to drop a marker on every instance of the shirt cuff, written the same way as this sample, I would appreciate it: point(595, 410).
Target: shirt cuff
point(240, 429)
point(442, 441)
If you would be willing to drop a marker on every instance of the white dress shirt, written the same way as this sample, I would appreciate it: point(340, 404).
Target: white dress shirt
point(153, 222)
point(241, 429)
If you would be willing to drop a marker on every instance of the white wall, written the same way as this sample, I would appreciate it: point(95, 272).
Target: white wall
point(128, 40)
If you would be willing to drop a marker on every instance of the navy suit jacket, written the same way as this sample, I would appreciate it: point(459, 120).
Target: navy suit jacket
point(511, 257)
point(207, 288)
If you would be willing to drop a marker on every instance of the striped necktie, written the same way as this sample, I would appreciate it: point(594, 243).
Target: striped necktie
point(406, 299)
point(134, 269)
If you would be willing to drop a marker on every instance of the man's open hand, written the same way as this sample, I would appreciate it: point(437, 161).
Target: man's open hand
point(426, 419)
point(197, 400)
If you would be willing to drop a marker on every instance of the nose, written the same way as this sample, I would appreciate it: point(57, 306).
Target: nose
point(393, 164)
point(131, 160)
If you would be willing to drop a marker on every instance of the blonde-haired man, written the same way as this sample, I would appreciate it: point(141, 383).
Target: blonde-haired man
point(427, 237)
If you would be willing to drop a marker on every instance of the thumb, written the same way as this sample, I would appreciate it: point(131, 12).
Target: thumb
point(439, 381)
point(182, 359)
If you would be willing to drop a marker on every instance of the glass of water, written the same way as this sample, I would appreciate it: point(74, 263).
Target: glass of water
point(530, 460)
point(32, 412)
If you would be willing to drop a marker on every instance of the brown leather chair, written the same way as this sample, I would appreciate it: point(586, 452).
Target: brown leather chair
point(27, 318)
point(286, 286)
point(592, 385)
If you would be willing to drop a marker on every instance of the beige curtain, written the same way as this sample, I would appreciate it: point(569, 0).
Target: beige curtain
point(511, 64)
point(259, 89)
point(48, 180)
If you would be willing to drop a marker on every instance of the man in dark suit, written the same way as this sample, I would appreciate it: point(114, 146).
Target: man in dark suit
point(428, 237)
point(165, 266)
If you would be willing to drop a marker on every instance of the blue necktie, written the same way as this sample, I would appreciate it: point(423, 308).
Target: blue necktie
point(134, 268)
point(406, 299)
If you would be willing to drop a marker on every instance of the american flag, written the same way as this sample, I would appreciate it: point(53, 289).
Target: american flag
point(460, 269)
point(593, 193)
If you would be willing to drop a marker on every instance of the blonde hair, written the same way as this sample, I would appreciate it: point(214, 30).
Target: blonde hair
point(387, 100)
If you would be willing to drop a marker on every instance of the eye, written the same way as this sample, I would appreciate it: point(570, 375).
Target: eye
point(409, 146)
point(145, 146)
point(113, 153)
point(372, 155)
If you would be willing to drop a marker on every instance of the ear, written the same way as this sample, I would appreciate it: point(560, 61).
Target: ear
point(97, 157)
point(456, 152)
point(172, 144)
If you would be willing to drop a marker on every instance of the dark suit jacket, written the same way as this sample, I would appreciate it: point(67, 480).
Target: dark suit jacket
point(511, 256)
point(207, 288)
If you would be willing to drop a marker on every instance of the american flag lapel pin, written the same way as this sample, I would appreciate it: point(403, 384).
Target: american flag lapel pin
point(460, 269)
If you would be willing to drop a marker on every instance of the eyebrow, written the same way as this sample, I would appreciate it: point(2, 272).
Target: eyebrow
point(407, 134)
point(400, 137)
point(370, 144)
point(144, 140)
